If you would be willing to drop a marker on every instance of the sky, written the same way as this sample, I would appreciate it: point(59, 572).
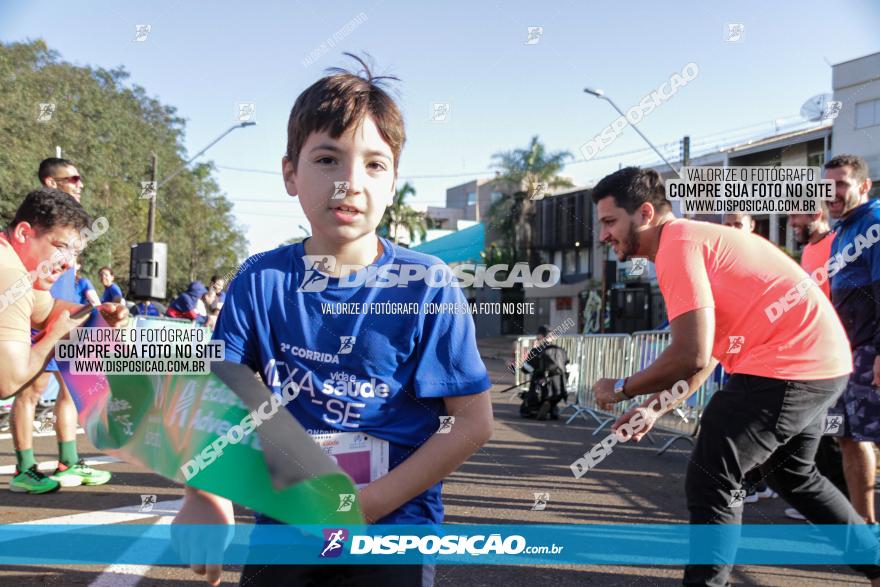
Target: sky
point(206, 57)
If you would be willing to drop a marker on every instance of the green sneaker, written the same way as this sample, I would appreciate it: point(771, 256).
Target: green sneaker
point(32, 481)
point(79, 474)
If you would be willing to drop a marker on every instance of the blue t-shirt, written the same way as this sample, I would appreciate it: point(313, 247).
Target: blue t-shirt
point(382, 374)
point(111, 293)
point(855, 287)
point(65, 287)
point(82, 286)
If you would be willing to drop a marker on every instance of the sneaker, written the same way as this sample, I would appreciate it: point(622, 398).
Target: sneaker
point(32, 481)
point(794, 514)
point(79, 474)
point(751, 498)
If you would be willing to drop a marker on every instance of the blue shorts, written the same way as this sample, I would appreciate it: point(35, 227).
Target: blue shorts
point(53, 364)
point(860, 401)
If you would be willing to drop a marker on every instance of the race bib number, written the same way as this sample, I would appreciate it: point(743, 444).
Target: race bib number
point(363, 457)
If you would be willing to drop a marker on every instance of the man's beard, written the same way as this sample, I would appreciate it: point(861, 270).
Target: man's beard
point(629, 246)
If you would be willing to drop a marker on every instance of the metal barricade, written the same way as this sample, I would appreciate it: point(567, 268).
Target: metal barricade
point(684, 421)
point(571, 344)
point(600, 355)
point(523, 345)
point(596, 356)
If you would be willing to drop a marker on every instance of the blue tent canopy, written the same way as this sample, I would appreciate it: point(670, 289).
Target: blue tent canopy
point(461, 246)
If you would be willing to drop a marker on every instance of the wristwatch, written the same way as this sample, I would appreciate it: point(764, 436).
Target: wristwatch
point(619, 394)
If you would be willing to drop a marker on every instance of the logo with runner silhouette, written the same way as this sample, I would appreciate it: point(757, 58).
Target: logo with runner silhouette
point(317, 270)
point(334, 539)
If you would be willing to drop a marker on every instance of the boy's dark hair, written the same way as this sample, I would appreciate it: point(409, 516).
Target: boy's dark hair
point(859, 166)
point(631, 187)
point(47, 208)
point(337, 102)
point(107, 269)
point(542, 331)
point(49, 167)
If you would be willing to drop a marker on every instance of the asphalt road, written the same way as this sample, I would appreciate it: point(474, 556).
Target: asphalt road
point(496, 485)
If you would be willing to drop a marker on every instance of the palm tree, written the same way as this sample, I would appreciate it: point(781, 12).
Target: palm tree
point(528, 172)
point(400, 217)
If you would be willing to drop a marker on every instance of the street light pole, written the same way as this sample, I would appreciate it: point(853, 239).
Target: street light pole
point(199, 154)
point(151, 218)
point(600, 94)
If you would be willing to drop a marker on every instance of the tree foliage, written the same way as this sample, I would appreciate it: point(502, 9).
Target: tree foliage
point(109, 128)
point(528, 171)
point(400, 218)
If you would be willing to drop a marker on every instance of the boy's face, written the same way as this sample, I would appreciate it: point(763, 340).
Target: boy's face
point(359, 157)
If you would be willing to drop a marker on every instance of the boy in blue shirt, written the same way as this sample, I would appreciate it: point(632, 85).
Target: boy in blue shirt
point(391, 375)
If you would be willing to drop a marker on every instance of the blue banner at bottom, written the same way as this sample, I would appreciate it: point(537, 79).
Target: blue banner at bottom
point(646, 544)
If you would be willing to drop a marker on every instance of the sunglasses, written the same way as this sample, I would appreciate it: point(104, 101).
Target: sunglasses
point(70, 178)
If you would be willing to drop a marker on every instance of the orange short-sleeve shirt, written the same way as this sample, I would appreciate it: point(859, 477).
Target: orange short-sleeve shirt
point(770, 319)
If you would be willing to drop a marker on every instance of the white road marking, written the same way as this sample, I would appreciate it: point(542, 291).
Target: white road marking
point(128, 513)
point(8, 435)
point(127, 575)
point(50, 466)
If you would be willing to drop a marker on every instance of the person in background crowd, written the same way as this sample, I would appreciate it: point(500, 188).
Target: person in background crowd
point(58, 176)
point(754, 482)
point(112, 292)
point(148, 308)
point(217, 285)
point(739, 221)
point(85, 289)
point(812, 231)
point(186, 305)
point(855, 290)
point(46, 224)
point(546, 368)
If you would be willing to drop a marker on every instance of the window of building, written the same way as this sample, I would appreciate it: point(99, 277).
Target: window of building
point(544, 257)
point(472, 199)
point(816, 154)
point(584, 260)
point(495, 196)
point(570, 263)
point(868, 113)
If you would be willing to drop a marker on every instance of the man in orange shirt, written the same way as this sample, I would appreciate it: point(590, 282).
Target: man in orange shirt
point(740, 301)
point(739, 221)
point(813, 231)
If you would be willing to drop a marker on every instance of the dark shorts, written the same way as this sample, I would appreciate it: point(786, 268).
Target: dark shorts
point(255, 575)
point(860, 402)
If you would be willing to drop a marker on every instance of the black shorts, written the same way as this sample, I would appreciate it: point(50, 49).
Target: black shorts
point(259, 575)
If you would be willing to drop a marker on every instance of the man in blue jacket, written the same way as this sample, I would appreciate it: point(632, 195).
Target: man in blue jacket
point(854, 267)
